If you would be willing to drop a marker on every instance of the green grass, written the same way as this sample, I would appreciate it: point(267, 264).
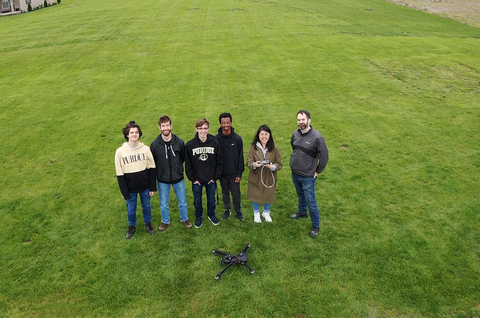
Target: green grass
point(394, 91)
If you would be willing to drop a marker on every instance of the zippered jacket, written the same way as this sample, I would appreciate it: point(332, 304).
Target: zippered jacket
point(232, 154)
point(310, 153)
point(135, 169)
point(169, 158)
point(203, 160)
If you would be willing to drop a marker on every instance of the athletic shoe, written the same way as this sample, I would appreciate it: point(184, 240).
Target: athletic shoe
point(314, 231)
point(297, 216)
point(266, 216)
point(226, 214)
point(240, 216)
point(187, 224)
point(149, 228)
point(256, 217)
point(214, 219)
point(130, 231)
point(163, 227)
point(198, 222)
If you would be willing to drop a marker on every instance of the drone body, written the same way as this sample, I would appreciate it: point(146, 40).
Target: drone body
point(230, 259)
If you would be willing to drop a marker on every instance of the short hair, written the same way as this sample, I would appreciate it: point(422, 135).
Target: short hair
point(201, 122)
point(164, 119)
point(131, 124)
point(304, 112)
point(225, 115)
point(270, 143)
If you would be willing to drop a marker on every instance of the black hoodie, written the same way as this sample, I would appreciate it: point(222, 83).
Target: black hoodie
point(232, 154)
point(169, 158)
point(203, 161)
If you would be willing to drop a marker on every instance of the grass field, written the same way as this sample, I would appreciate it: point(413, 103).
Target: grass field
point(394, 91)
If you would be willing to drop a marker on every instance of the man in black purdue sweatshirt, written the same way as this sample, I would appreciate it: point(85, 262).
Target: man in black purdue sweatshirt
point(203, 166)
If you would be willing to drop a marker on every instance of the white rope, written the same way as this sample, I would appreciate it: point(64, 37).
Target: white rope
point(261, 178)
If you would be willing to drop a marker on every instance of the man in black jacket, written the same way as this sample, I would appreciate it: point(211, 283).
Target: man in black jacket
point(203, 166)
point(169, 154)
point(233, 165)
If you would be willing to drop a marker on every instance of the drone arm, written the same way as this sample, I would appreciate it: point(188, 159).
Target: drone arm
point(246, 248)
point(219, 252)
point(223, 271)
point(251, 269)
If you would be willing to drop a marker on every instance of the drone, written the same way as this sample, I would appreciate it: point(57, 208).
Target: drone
point(230, 259)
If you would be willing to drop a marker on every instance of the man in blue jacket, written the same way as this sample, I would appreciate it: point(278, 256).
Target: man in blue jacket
point(233, 165)
point(169, 154)
point(308, 160)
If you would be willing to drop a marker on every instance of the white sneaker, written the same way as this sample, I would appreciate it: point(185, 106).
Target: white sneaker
point(266, 216)
point(257, 218)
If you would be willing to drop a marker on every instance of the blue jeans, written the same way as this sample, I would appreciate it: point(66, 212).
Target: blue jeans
point(164, 197)
point(197, 198)
point(305, 187)
point(256, 207)
point(132, 207)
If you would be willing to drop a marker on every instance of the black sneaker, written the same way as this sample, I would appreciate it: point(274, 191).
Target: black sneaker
point(297, 216)
point(198, 222)
point(226, 214)
point(314, 231)
point(149, 228)
point(240, 216)
point(130, 231)
point(214, 219)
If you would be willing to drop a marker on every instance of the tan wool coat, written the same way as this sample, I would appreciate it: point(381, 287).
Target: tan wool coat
point(256, 191)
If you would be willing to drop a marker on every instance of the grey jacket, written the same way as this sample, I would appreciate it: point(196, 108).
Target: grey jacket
point(310, 153)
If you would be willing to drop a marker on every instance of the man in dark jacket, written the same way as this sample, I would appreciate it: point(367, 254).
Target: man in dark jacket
point(203, 166)
point(233, 165)
point(169, 154)
point(308, 160)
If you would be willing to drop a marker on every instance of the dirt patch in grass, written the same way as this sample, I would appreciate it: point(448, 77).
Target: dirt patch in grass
point(464, 11)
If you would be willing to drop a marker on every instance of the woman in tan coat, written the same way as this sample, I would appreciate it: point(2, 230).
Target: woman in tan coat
point(264, 161)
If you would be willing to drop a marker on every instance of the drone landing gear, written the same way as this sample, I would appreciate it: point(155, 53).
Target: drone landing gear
point(230, 259)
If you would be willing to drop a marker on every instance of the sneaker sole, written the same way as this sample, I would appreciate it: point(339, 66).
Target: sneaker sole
point(213, 222)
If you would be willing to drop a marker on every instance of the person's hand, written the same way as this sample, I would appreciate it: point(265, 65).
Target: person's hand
point(269, 166)
point(197, 182)
point(238, 179)
point(315, 175)
point(211, 181)
point(151, 193)
point(257, 164)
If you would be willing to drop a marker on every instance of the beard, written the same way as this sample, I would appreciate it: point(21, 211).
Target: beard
point(166, 133)
point(303, 126)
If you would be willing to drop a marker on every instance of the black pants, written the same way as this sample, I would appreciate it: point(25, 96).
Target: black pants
point(230, 186)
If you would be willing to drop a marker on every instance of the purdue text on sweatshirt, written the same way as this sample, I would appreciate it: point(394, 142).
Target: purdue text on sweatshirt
point(203, 160)
point(135, 169)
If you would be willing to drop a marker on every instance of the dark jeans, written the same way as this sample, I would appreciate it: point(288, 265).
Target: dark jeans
point(230, 186)
point(305, 187)
point(197, 198)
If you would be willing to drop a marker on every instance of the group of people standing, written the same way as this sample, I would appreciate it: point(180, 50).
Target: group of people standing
point(209, 158)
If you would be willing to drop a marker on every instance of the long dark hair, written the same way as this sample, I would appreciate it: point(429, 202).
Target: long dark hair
point(270, 142)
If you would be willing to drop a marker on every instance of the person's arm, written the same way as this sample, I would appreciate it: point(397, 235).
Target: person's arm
point(322, 155)
point(241, 161)
point(152, 173)
point(219, 162)
point(122, 182)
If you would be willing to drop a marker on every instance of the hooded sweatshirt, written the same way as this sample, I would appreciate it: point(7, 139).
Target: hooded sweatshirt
point(203, 160)
point(169, 158)
point(135, 169)
point(232, 154)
